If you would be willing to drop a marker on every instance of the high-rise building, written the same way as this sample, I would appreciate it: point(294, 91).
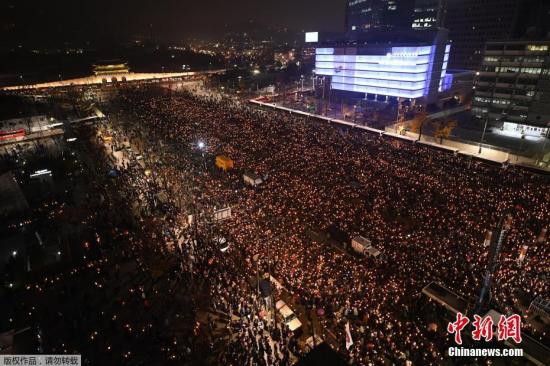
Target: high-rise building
point(429, 14)
point(389, 64)
point(513, 86)
point(365, 15)
point(473, 22)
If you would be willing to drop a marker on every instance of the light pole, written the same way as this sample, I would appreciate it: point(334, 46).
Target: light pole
point(272, 303)
point(484, 129)
point(329, 95)
point(397, 117)
point(323, 96)
point(201, 145)
point(541, 157)
point(256, 258)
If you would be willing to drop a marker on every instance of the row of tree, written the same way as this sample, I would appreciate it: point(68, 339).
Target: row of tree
point(441, 128)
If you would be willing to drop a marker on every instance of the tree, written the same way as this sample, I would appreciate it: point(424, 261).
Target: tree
point(443, 129)
point(417, 123)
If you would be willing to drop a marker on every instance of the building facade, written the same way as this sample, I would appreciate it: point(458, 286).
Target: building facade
point(365, 15)
point(471, 23)
point(110, 67)
point(512, 90)
point(429, 14)
point(413, 70)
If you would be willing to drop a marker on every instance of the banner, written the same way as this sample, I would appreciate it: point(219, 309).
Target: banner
point(488, 238)
point(224, 213)
point(349, 340)
point(522, 253)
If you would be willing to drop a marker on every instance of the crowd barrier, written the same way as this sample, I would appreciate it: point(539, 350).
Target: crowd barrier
point(471, 150)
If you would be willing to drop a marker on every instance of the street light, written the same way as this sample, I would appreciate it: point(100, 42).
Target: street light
point(484, 130)
point(14, 253)
point(544, 144)
point(201, 145)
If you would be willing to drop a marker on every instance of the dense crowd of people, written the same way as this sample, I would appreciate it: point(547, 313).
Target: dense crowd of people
point(425, 210)
point(231, 304)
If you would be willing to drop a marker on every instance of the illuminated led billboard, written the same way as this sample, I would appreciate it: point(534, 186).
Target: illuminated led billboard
point(312, 37)
point(403, 72)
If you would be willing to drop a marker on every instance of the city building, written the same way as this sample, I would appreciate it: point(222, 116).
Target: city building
point(512, 90)
point(429, 14)
point(389, 64)
point(284, 57)
point(471, 23)
point(307, 54)
point(311, 41)
point(366, 15)
point(459, 91)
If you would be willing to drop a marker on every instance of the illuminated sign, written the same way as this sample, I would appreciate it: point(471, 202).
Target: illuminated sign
point(312, 37)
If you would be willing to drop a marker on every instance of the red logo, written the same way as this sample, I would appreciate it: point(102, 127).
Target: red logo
point(483, 328)
point(507, 328)
point(457, 326)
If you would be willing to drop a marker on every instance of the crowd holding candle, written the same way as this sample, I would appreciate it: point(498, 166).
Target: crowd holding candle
point(427, 211)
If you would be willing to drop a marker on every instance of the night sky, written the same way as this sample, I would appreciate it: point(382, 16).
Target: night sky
point(165, 19)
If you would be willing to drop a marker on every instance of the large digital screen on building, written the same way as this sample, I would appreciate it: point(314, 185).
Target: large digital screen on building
point(312, 37)
point(403, 72)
